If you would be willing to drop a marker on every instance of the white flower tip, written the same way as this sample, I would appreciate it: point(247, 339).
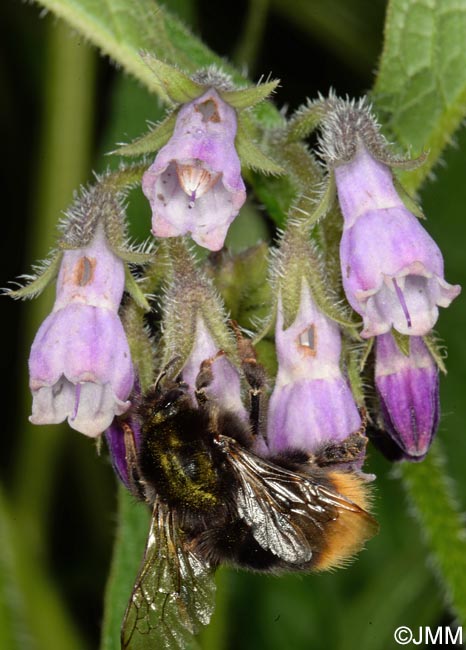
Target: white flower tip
point(89, 407)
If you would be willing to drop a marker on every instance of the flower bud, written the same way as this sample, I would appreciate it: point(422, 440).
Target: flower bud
point(80, 365)
point(408, 389)
point(195, 185)
point(311, 404)
point(115, 437)
point(121, 448)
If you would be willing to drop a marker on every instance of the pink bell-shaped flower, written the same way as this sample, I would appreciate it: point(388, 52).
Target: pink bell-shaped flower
point(80, 364)
point(195, 184)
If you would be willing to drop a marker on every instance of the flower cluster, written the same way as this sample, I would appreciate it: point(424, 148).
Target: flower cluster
point(391, 275)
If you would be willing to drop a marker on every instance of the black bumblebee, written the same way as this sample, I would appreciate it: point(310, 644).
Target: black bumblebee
point(215, 501)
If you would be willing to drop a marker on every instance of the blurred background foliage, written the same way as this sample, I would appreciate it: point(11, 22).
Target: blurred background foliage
point(62, 108)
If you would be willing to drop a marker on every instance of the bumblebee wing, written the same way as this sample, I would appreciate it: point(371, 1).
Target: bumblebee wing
point(293, 515)
point(174, 591)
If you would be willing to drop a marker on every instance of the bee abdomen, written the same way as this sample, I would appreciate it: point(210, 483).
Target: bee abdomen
point(234, 544)
point(345, 534)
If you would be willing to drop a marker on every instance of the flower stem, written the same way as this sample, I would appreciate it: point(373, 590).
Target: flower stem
point(251, 38)
point(133, 524)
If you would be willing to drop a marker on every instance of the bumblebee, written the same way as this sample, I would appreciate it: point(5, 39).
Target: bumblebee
point(215, 501)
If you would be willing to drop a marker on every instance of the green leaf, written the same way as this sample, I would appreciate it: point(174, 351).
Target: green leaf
point(123, 29)
point(420, 91)
point(250, 154)
point(154, 140)
point(437, 510)
point(402, 341)
point(45, 273)
point(178, 86)
point(247, 97)
point(133, 528)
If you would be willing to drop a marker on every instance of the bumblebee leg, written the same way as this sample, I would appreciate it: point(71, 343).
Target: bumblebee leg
point(349, 450)
point(158, 382)
point(254, 374)
point(134, 476)
point(204, 378)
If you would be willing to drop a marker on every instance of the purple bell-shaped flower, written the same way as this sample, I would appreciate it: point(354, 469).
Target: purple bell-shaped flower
point(311, 404)
point(195, 184)
point(408, 389)
point(80, 364)
point(225, 388)
point(392, 269)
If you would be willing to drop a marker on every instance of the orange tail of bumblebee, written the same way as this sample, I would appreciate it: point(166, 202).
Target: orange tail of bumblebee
point(353, 526)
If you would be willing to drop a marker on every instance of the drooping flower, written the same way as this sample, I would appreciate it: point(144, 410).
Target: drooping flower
point(392, 270)
point(311, 404)
point(195, 185)
point(408, 389)
point(80, 365)
point(119, 446)
point(225, 387)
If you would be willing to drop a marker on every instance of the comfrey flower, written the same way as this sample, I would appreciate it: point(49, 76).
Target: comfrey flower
point(408, 389)
point(225, 387)
point(196, 331)
point(311, 404)
point(80, 365)
point(195, 185)
point(392, 270)
point(118, 445)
